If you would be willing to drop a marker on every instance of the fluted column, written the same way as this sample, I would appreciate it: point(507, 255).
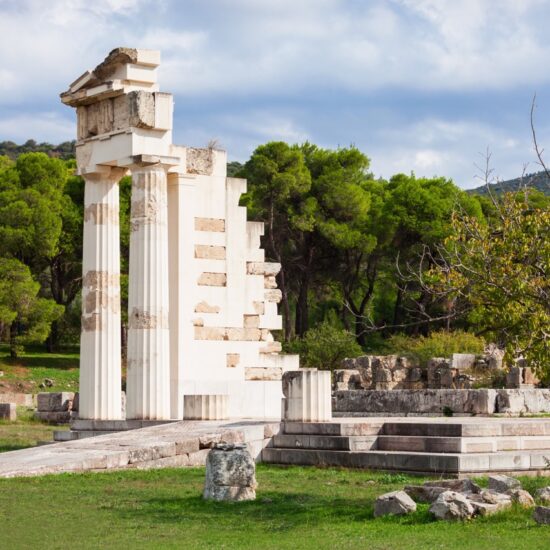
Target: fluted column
point(148, 378)
point(100, 354)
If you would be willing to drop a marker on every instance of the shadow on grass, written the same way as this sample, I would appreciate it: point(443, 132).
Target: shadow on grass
point(42, 361)
point(273, 510)
point(4, 448)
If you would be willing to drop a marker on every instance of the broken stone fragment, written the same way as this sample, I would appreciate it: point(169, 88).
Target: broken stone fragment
point(396, 503)
point(451, 505)
point(542, 515)
point(544, 495)
point(502, 483)
point(230, 474)
point(493, 497)
point(522, 497)
point(459, 485)
point(422, 493)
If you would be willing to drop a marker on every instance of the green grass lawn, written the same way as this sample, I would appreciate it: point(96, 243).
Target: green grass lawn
point(296, 508)
point(25, 431)
point(25, 373)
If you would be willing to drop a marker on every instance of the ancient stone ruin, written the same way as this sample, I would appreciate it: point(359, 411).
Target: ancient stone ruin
point(202, 300)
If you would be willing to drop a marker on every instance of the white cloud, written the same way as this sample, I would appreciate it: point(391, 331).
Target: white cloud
point(44, 126)
point(450, 148)
point(287, 46)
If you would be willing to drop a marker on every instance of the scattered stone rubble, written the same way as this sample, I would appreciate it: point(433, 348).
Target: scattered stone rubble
point(392, 372)
point(365, 386)
point(230, 473)
point(396, 503)
point(452, 505)
point(461, 499)
point(502, 483)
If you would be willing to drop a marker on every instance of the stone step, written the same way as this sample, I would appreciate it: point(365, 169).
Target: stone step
point(73, 435)
point(476, 428)
point(334, 428)
point(438, 444)
point(334, 442)
point(384, 460)
point(422, 463)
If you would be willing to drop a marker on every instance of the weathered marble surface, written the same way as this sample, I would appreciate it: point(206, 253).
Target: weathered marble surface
point(230, 473)
point(175, 444)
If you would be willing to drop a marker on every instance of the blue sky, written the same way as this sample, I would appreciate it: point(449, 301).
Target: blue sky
point(422, 85)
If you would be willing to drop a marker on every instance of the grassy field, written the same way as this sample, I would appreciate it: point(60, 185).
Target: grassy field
point(296, 508)
point(26, 373)
point(25, 432)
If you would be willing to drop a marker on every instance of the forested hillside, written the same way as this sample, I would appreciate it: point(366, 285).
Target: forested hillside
point(64, 150)
point(537, 180)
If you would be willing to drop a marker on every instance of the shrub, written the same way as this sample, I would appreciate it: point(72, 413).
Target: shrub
point(324, 347)
point(437, 344)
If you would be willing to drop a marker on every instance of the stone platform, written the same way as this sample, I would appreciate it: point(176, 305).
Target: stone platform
point(453, 447)
point(82, 428)
point(175, 444)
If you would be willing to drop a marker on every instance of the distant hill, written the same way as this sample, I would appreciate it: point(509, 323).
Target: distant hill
point(537, 180)
point(65, 150)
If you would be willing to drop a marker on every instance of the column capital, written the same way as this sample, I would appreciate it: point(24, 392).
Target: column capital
point(140, 162)
point(102, 173)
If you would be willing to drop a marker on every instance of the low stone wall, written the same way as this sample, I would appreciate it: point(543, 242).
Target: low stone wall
point(24, 399)
point(436, 402)
point(54, 407)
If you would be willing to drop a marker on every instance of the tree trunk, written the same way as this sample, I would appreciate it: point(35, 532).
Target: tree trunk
point(359, 331)
point(397, 306)
point(52, 342)
point(13, 342)
point(287, 322)
point(302, 307)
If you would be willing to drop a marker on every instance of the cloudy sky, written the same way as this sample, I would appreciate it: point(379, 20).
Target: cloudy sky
point(422, 85)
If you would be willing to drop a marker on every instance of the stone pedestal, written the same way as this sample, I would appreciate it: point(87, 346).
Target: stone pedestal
point(100, 354)
point(148, 380)
point(307, 396)
point(230, 474)
point(205, 407)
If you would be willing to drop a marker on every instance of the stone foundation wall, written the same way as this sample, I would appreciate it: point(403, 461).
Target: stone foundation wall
point(24, 399)
point(460, 371)
point(437, 402)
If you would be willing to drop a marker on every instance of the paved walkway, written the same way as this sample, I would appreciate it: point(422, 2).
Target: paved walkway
point(183, 443)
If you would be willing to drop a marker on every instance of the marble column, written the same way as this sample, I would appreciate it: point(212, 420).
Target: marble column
point(148, 377)
point(100, 353)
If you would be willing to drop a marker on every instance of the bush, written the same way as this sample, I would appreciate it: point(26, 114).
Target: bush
point(324, 347)
point(437, 344)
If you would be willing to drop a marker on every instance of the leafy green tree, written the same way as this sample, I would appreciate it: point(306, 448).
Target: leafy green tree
point(65, 266)
point(41, 209)
point(324, 347)
point(420, 211)
point(441, 343)
point(499, 269)
point(23, 314)
point(339, 204)
point(31, 203)
point(5, 163)
point(278, 181)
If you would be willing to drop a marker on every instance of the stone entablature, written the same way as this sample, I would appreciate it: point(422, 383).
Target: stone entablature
point(202, 299)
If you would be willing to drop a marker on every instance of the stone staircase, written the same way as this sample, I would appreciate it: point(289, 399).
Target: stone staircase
point(444, 446)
